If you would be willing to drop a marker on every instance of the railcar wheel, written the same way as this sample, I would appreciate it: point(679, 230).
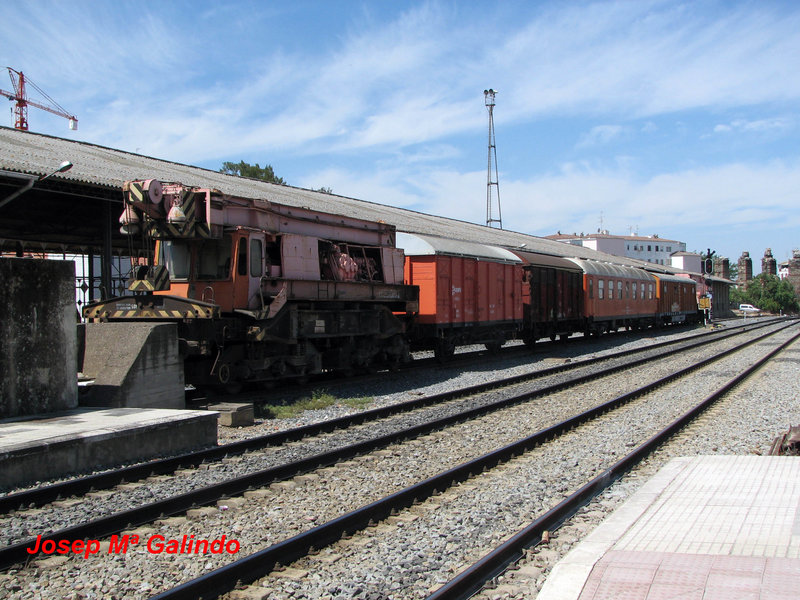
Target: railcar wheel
point(227, 383)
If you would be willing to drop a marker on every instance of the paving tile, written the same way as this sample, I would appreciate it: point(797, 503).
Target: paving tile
point(618, 590)
point(679, 577)
point(707, 528)
point(661, 591)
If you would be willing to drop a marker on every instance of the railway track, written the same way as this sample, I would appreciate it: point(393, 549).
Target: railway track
point(348, 525)
point(81, 485)
point(286, 468)
point(423, 360)
point(424, 494)
point(475, 577)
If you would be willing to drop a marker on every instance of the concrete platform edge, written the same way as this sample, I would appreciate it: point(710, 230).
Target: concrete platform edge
point(106, 445)
point(568, 577)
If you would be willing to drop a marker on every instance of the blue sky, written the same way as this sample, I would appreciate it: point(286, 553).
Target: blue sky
point(673, 118)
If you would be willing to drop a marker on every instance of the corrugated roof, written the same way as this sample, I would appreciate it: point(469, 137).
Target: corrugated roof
point(414, 244)
point(28, 152)
point(546, 260)
point(593, 267)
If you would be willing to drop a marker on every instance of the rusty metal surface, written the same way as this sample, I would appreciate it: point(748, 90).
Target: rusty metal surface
point(787, 444)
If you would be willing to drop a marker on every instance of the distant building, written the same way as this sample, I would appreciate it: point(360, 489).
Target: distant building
point(790, 270)
point(688, 261)
point(646, 248)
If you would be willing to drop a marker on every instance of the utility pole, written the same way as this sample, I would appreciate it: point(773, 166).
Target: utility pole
point(489, 100)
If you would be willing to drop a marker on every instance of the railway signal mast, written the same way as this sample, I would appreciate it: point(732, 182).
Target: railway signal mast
point(20, 96)
point(492, 183)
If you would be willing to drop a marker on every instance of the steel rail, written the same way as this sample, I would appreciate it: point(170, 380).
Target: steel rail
point(174, 505)
point(259, 564)
point(82, 485)
point(474, 578)
point(117, 522)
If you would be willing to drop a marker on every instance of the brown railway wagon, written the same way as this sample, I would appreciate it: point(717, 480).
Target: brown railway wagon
point(469, 293)
point(552, 296)
point(677, 299)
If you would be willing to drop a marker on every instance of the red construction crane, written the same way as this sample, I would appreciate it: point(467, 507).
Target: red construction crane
point(20, 96)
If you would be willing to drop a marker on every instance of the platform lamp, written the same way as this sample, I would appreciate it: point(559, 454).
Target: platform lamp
point(64, 166)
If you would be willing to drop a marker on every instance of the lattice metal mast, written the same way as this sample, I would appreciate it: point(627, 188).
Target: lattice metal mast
point(492, 159)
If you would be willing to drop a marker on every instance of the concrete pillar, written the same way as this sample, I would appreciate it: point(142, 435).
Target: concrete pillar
point(722, 267)
point(768, 263)
point(38, 343)
point(133, 365)
point(745, 269)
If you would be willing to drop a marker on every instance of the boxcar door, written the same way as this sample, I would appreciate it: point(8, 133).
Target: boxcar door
point(255, 270)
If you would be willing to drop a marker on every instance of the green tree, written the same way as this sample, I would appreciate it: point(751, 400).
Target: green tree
point(733, 268)
point(243, 169)
point(768, 293)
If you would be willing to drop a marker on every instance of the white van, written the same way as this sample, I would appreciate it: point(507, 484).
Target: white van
point(749, 308)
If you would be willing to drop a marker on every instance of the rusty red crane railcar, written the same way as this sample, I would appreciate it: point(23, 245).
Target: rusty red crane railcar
point(262, 291)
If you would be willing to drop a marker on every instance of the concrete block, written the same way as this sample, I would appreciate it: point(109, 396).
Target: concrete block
point(202, 512)
point(84, 439)
point(38, 345)
point(256, 494)
point(234, 414)
point(252, 592)
point(231, 503)
point(307, 478)
point(291, 573)
point(134, 365)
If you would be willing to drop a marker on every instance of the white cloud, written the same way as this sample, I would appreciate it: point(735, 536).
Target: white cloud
point(732, 207)
point(411, 80)
point(774, 125)
point(401, 97)
point(601, 135)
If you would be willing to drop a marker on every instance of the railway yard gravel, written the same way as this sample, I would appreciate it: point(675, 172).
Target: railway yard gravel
point(19, 526)
point(408, 556)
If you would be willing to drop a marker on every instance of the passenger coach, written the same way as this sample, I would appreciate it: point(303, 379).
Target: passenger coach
point(615, 296)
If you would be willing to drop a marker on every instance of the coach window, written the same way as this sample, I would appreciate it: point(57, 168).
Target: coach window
point(241, 257)
point(650, 291)
point(619, 289)
point(610, 289)
point(634, 291)
point(176, 256)
point(214, 259)
point(600, 284)
point(591, 288)
point(256, 253)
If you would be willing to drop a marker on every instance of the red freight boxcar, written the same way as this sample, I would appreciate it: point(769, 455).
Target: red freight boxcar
point(615, 296)
point(469, 293)
point(677, 299)
point(552, 297)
